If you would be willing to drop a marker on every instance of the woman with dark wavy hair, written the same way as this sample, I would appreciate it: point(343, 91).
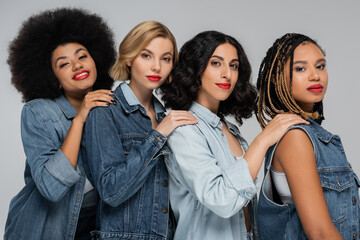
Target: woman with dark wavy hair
point(211, 176)
point(59, 60)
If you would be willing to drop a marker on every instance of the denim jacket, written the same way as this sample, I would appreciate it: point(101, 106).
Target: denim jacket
point(340, 185)
point(208, 184)
point(125, 165)
point(49, 204)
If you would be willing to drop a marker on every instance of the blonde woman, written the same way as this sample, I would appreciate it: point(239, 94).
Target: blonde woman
point(125, 142)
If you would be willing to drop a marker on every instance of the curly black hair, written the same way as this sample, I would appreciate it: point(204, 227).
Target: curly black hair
point(193, 60)
point(274, 95)
point(30, 52)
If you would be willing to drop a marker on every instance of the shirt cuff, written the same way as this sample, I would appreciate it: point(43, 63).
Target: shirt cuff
point(60, 168)
point(240, 178)
point(157, 138)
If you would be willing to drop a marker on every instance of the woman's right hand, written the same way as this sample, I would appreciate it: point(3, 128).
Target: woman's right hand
point(278, 126)
point(270, 135)
point(94, 99)
point(175, 119)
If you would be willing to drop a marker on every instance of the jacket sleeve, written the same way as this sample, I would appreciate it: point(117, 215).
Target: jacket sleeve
point(223, 191)
point(51, 170)
point(117, 176)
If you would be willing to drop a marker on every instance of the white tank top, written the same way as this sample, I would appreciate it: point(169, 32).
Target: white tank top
point(282, 186)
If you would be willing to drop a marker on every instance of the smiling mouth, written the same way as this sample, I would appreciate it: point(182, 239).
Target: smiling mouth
point(154, 78)
point(223, 85)
point(81, 75)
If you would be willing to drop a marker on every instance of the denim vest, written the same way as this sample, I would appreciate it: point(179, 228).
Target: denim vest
point(125, 165)
point(48, 206)
point(340, 185)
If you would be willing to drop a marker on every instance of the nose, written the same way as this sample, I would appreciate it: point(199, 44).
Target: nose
point(77, 65)
point(156, 65)
point(226, 73)
point(314, 76)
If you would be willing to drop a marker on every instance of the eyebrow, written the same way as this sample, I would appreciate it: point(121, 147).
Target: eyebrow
point(305, 62)
point(222, 59)
point(64, 57)
point(147, 50)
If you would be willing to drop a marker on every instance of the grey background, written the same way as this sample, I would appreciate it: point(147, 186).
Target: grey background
point(256, 24)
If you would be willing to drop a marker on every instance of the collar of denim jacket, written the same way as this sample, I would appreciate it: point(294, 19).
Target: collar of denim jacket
point(321, 132)
point(206, 115)
point(68, 110)
point(133, 103)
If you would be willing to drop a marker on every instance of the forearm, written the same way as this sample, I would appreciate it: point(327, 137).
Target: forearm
point(255, 155)
point(71, 144)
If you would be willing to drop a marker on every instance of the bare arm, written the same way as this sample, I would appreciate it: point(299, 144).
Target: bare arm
point(268, 137)
point(295, 154)
point(71, 144)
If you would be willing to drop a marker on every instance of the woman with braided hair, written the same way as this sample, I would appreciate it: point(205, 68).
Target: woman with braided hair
point(309, 189)
point(59, 61)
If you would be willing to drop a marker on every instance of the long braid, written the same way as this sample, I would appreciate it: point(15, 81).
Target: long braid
point(275, 96)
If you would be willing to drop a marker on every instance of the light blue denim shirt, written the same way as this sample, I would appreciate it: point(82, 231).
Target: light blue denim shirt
point(49, 204)
point(208, 184)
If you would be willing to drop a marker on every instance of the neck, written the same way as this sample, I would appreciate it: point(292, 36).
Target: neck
point(75, 100)
point(212, 105)
point(144, 95)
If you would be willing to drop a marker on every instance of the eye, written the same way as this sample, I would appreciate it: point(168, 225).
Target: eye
point(215, 63)
point(82, 57)
point(321, 67)
point(63, 65)
point(167, 59)
point(299, 69)
point(145, 55)
point(234, 66)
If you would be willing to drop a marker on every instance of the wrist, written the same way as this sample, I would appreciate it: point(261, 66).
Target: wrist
point(78, 120)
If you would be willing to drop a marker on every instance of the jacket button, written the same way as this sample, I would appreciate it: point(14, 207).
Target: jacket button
point(354, 201)
point(165, 183)
point(165, 210)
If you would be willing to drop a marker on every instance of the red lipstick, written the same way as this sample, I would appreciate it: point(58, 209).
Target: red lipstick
point(316, 88)
point(81, 75)
point(223, 85)
point(154, 78)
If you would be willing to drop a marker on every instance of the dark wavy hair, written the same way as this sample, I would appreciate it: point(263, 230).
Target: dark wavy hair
point(31, 50)
point(193, 60)
point(275, 96)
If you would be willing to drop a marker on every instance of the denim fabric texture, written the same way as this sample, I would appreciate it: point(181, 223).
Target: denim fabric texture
point(49, 204)
point(125, 165)
point(340, 185)
point(208, 184)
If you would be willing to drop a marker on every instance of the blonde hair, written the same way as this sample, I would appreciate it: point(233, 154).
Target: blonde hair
point(135, 41)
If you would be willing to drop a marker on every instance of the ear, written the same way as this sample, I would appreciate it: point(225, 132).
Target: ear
point(128, 63)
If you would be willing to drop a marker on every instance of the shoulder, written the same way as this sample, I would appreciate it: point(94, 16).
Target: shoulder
point(46, 109)
point(295, 144)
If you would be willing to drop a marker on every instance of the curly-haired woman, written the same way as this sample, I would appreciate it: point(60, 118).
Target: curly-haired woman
point(59, 61)
point(211, 176)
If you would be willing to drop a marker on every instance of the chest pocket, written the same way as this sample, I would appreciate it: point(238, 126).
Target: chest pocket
point(336, 184)
point(130, 141)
